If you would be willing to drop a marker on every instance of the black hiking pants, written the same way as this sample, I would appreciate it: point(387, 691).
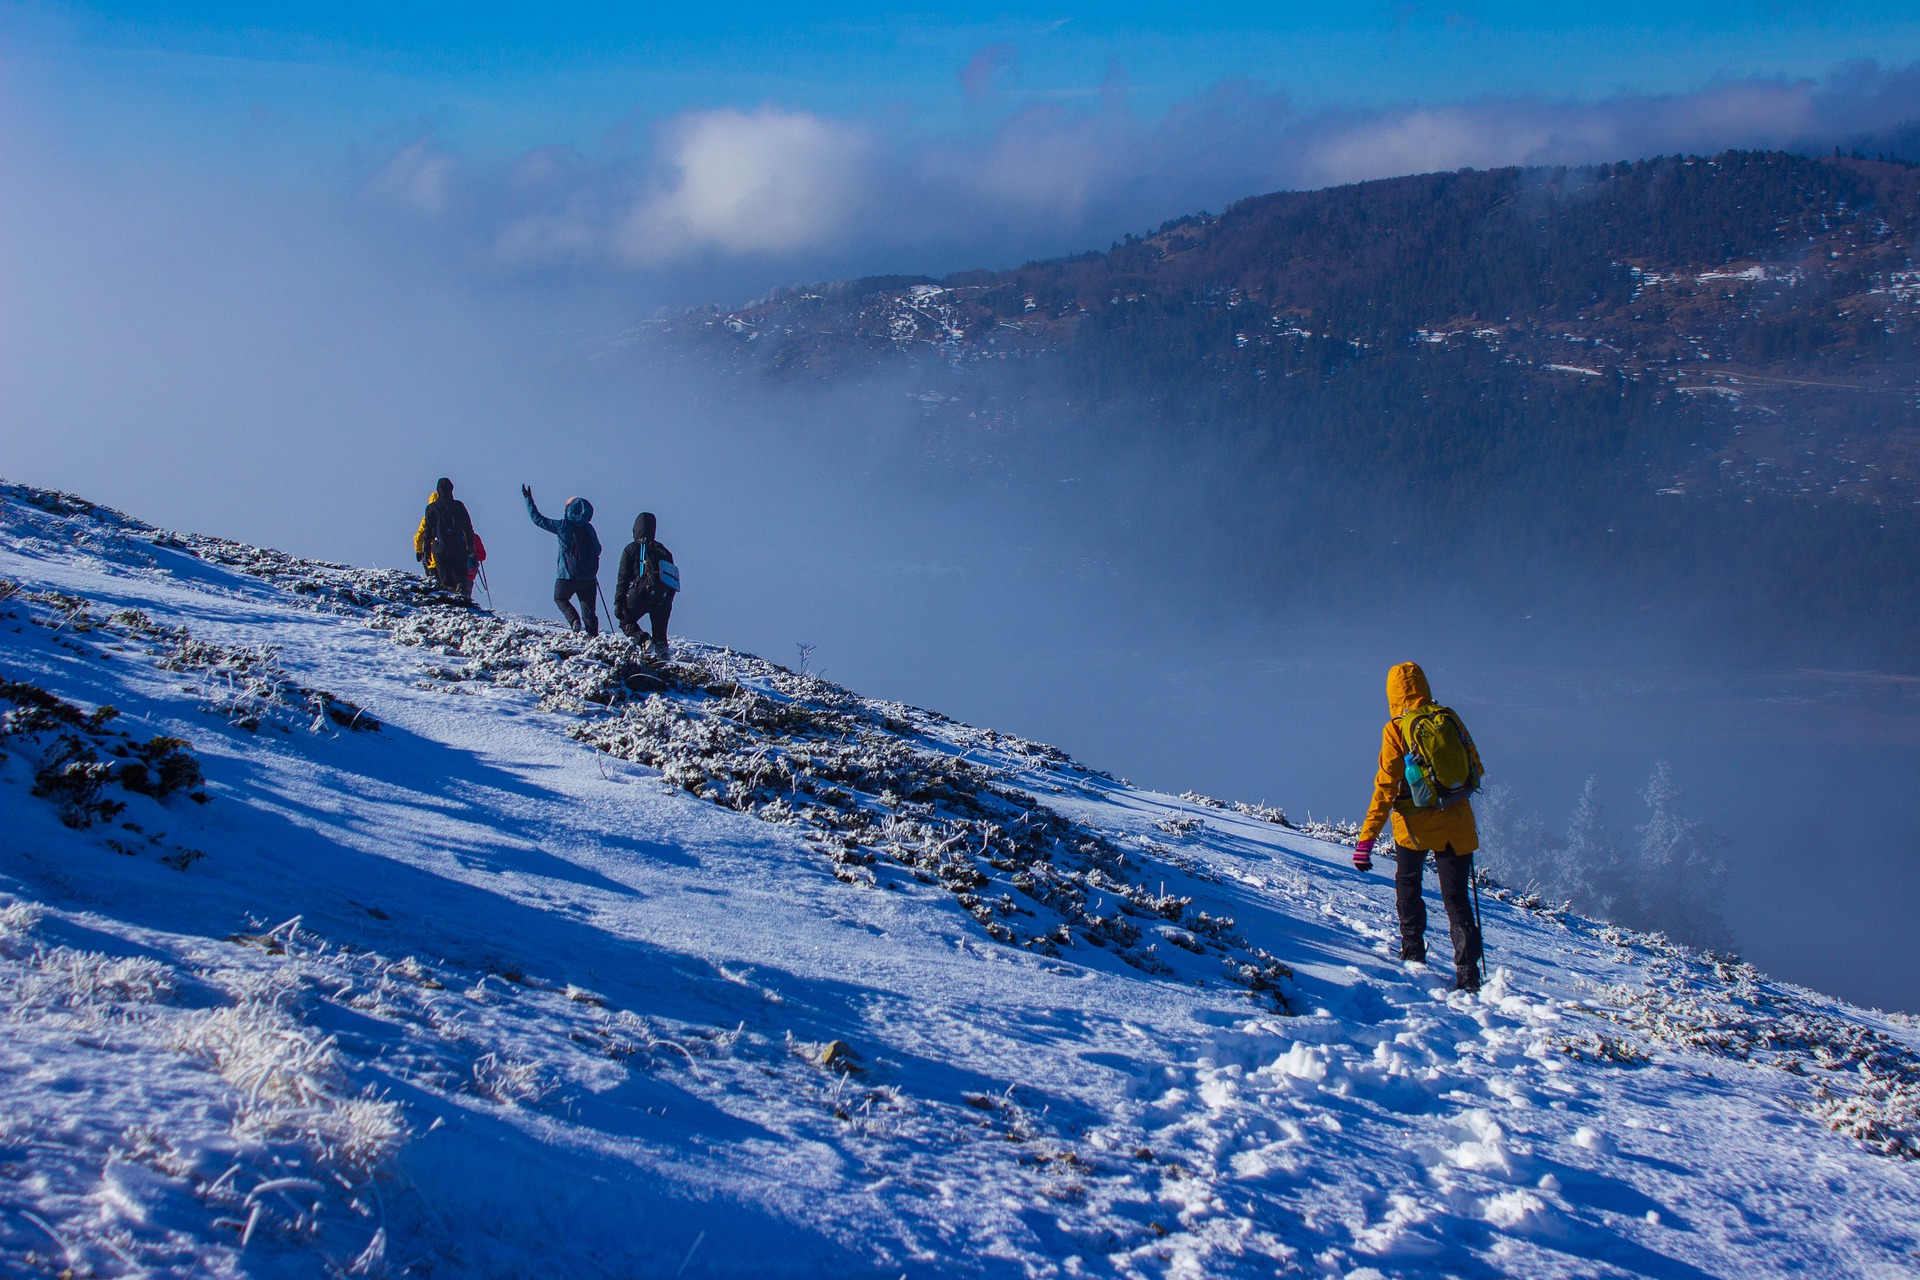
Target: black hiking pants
point(587, 591)
point(656, 609)
point(1456, 893)
point(452, 578)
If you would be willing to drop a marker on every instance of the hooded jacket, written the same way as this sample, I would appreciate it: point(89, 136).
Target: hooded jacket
point(639, 568)
point(579, 544)
point(446, 525)
point(1432, 829)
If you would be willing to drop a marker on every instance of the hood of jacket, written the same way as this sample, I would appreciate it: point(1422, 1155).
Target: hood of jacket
point(1406, 689)
point(433, 497)
point(579, 510)
point(643, 527)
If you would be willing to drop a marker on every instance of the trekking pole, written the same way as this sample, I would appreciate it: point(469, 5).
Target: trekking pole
point(484, 587)
point(1478, 927)
point(602, 602)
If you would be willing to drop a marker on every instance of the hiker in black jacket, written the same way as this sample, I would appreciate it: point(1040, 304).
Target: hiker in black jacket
point(639, 591)
point(577, 574)
point(445, 544)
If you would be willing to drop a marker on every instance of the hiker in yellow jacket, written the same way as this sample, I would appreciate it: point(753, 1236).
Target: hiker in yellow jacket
point(448, 549)
point(1446, 834)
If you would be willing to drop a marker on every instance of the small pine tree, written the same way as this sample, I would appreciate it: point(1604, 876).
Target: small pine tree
point(1516, 848)
point(1680, 875)
point(1595, 864)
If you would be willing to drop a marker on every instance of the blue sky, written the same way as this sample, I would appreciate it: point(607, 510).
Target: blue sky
point(498, 78)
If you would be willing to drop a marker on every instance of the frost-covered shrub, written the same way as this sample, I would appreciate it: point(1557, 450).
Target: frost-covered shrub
point(1263, 812)
point(246, 686)
point(1332, 832)
point(78, 759)
point(98, 988)
point(509, 1080)
point(17, 920)
point(1863, 1082)
point(291, 1084)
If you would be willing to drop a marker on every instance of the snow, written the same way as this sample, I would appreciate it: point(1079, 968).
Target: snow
point(577, 965)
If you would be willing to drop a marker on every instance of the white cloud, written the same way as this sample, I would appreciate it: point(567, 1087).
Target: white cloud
point(759, 182)
point(1422, 141)
point(771, 194)
point(420, 177)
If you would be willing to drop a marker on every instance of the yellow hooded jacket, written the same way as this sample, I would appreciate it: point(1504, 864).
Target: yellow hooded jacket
point(421, 551)
point(1433, 829)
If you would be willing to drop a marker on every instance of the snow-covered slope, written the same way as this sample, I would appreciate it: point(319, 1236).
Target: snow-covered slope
point(455, 945)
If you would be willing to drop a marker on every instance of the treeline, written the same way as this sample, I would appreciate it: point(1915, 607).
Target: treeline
point(1667, 874)
point(1377, 260)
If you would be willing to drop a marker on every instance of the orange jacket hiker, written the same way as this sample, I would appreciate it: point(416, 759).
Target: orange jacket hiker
point(1432, 829)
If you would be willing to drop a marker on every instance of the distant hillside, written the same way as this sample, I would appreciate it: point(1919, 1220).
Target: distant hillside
point(1724, 349)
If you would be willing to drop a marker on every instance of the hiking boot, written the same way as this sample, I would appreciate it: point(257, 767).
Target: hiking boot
point(1413, 957)
point(1467, 982)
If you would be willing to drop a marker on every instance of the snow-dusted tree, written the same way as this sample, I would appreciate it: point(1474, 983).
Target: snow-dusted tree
point(1680, 876)
point(1516, 848)
point(1595, 866)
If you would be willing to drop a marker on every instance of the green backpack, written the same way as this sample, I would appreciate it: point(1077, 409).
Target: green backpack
point(1440, 767)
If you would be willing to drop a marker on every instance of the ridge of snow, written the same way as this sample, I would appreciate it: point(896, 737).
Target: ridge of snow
point(579, 964)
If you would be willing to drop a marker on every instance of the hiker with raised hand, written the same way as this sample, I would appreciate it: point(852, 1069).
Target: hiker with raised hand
point(1428, 769)
point(577, 574)
point(645, 585)
point(446, 546)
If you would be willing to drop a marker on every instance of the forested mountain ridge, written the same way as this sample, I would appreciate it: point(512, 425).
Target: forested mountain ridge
point(1772, 283)
point(1695, 380)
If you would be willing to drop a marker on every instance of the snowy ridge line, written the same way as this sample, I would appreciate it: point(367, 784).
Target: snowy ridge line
point(732, 727)
point(68, 524)
point(639, 1029)
point(869, 781)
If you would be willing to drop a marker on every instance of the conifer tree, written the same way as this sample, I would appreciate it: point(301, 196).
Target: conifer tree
point(1516, 848)
point(1595, 862)
point(1679, 873)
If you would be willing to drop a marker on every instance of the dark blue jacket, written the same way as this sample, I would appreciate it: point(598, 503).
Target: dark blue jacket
point(579, 544)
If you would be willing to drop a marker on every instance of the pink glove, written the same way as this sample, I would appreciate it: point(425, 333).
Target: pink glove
point(1363, 856)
